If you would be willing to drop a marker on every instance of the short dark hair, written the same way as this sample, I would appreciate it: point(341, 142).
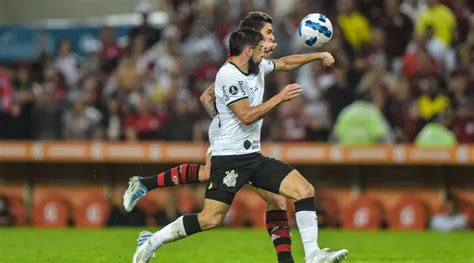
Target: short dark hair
point(243, 37)
point(256, 20)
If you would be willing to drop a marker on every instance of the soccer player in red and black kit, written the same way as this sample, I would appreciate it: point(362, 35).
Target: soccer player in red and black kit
point(276, 215)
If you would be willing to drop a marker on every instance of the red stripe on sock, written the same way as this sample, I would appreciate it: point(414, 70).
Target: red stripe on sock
point(184, 170)
point(283, 248)
point(192, 170)
point(161, 180)
point(193, 176)
point(282, 233)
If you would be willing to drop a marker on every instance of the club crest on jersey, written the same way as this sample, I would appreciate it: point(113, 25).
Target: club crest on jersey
point(231, 178)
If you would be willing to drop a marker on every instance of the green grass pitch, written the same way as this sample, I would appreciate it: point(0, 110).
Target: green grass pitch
point(228, 245)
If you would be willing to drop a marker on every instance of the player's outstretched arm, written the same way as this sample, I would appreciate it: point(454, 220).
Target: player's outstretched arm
point(295, 61)
point(207, 99)
point(249, 114)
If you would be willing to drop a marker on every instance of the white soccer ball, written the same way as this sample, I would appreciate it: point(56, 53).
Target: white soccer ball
point(315, 30)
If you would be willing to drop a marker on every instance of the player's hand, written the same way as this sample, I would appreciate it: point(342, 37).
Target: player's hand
point(267, 50)
point(327, 58)
point(290, 91)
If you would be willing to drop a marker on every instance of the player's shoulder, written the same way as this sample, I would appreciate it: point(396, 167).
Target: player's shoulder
point(267, 63)
point(229, 70)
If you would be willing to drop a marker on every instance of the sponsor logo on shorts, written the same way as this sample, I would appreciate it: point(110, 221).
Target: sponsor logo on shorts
point(231, 178)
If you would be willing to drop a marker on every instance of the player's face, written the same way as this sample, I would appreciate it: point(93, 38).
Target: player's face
point(270, 41)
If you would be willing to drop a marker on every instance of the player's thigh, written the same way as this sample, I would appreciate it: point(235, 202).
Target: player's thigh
point(296, 187)
point(228, 175)
point(212, 214)
point(270, 174)
point(205, 170)
point(208, 158)
point(274, 201)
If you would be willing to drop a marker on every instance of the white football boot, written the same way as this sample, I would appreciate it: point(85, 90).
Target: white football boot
point(134, 192)
point(144, 251)
point(327, 256)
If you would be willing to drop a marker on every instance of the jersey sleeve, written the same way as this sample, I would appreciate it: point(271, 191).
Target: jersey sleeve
point(268, 66)
point(230, 87)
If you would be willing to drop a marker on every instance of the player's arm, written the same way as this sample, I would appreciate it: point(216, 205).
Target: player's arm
point(249, 114)
point(207, 99)
point(295, 61)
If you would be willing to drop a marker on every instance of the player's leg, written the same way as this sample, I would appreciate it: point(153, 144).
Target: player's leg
point(229, 175)
point(205, 170)
point(211, 216)
point(296, 187)
point(274, 175)
point(276, 221)
point(278, 177)
point(181, 174)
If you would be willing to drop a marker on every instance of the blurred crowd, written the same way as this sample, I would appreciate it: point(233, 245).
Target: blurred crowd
point(409, 61)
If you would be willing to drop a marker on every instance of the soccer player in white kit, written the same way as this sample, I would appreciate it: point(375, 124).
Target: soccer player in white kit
point(276, 215)
point(236, 157)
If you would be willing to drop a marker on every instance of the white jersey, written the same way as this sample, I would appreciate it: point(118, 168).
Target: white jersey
point(227, 134)
point(213, 130)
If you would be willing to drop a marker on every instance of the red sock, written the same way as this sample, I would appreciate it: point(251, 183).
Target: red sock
point(181, 174)
point(279, 231)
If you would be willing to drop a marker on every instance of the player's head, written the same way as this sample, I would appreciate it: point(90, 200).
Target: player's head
point(261, 22)
point(248, 43)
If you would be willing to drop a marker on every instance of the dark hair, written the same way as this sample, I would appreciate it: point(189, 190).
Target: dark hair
point(243, 37)
point(256, 20)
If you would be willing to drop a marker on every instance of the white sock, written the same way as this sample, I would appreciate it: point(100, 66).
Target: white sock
point(171, 232)
point(307, 223)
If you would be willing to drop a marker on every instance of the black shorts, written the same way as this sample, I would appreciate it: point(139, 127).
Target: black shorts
point(230, 173)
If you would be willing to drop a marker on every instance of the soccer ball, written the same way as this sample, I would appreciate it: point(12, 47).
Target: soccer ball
point(315, 30)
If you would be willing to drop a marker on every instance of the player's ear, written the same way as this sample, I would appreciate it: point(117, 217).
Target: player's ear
point(248, 51)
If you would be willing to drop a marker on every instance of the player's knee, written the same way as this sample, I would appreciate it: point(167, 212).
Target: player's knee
point(304, 191)
point(210, 220)
point(204, 173)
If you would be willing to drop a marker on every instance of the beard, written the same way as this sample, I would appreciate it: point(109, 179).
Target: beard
point(253, 67)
